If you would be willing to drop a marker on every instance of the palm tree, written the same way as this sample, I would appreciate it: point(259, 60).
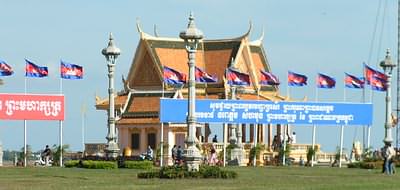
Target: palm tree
point(56, 152)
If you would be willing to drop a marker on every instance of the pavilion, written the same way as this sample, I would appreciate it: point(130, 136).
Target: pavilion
point(137, 105)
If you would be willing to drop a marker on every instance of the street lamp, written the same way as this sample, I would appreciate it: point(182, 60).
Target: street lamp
point(191, 36)
point(111, 52)
point(388, 66)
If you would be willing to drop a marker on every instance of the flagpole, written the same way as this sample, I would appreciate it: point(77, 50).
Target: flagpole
point(255, 143)
point(61, 130)
point(284, 145)
point(341, 131)
point(162, 132)
point(369, 126)
point(225, 129)
point(25, 127)
point(313, 131)
point(83, 128)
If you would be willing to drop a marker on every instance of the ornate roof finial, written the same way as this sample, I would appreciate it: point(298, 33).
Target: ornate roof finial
point(155, 31)
point(139, 29)
point(262, 35)
point(250, 27)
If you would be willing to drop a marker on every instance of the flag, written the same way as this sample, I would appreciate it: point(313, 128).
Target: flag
point(353, 81)
point(202, 76)
point(370, 72)
point(172, 76)
point(237, 78)
point(378, 84)
point(268, 78)
point(5, 69)
point(71, 71)
point(325, 81)
point(32, 70)
point(295, 79)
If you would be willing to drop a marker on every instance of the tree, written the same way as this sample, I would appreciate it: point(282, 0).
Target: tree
point(310, 153)
point(56, 152)
point(29, 155)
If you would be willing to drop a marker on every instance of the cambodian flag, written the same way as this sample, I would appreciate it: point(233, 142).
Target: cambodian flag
point(172, 76)
point(203, 77)
point(353, 81)
point(5, 69)
point(268, 78)
point(378, 84)
point(32, 70)
point(237, 78)
point(295, 79)
point(370, 72)
point(71, 71)
point(325, 81)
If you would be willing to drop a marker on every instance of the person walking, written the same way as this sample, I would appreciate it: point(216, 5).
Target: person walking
point(174, 152)
point(213, 156)
point(388, 154)
point(179, 155)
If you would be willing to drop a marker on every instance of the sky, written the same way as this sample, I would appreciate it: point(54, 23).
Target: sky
point(308, 37)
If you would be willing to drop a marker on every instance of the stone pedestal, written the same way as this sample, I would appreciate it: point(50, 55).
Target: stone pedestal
point(192, 158)
point(237, 157)
point(112, 150)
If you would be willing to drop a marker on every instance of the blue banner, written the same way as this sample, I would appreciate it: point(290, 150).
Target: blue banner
point(248, 111)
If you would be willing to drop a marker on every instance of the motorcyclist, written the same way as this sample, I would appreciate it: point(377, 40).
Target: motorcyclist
point(46, 154)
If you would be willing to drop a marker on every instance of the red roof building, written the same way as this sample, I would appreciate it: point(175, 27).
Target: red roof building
point(137, 105)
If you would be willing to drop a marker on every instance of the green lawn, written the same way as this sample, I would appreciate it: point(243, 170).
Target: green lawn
point(297, 178)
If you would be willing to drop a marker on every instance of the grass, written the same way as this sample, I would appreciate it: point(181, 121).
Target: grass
point(249, 178)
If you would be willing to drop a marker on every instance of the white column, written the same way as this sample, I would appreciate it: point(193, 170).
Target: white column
point(143, 140)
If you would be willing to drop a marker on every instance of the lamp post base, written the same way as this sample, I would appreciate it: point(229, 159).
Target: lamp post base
point(192, 158)
point(112, 150)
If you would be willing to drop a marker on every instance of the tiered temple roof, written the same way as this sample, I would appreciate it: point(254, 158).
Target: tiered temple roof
point(138, 102)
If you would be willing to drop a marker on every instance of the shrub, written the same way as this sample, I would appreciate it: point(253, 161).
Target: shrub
point(71, 164)
point(99, 164)
point(171, 172)
point(143, 165)
point(148, 175)
point(354, 165)
point(255, 151)
point(310, 153)
point(366, 165)
point(210, 171)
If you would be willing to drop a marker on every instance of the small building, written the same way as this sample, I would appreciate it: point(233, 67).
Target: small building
point(137, 105)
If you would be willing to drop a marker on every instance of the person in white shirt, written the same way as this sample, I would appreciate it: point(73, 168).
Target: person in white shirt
point(293, 138)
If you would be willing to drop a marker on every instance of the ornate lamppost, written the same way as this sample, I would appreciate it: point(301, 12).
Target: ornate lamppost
point(111, 52)
point(191, 36)
point(388, 66)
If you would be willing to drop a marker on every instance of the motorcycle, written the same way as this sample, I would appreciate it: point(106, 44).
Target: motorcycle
point(145, 156)
point(41, 161)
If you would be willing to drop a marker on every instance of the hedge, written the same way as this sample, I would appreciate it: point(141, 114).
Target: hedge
point(71, 164)
point(172, 172)
point(366, 165)
point(144, 165)
point(99, 164)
